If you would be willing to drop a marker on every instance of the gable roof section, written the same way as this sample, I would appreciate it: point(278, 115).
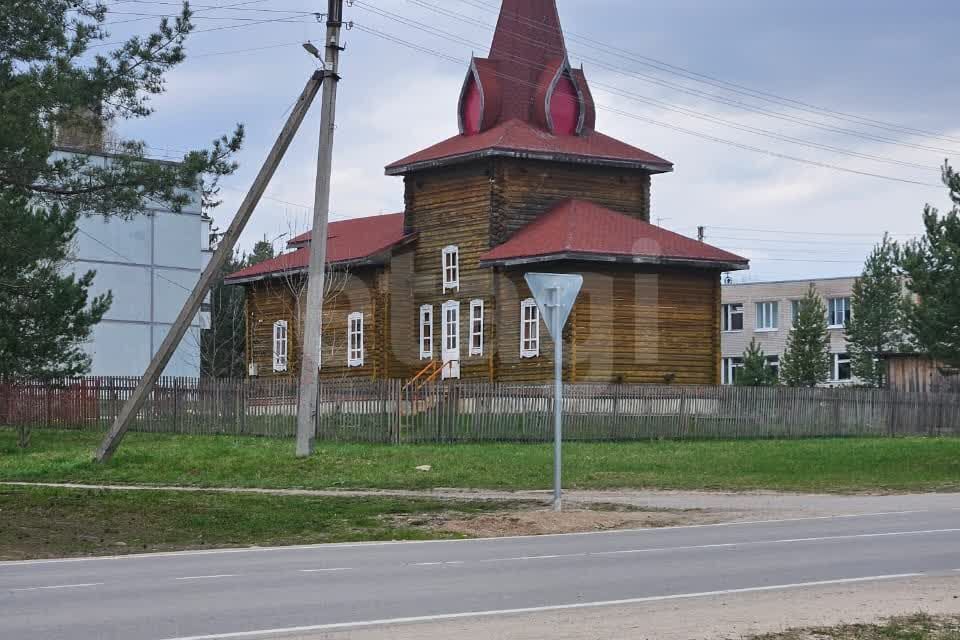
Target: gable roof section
point(581, 230)
point(516, 138)
point(348, 241)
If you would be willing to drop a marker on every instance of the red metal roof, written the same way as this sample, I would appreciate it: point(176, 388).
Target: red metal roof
point(523, 98)
point(347, 241)
point(581, 230)
point(516, 137)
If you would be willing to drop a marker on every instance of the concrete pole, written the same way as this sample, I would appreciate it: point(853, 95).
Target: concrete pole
point(220, 257)
point(316, 283)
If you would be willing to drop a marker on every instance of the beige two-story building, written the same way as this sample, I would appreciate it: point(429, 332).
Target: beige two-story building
point(766, 310)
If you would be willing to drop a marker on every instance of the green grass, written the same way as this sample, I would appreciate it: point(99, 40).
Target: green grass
point(917, 627)
point(43, 523)
point(831, 465)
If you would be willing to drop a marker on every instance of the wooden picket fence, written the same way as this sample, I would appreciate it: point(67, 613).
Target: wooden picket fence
point(387, 412)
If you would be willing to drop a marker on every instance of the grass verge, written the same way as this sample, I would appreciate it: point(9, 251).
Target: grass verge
point(827, 465)
point(47, 523)
point(917, 627)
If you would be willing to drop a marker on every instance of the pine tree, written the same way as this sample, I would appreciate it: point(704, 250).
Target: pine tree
point(52, 89)
point(931, 267)
point(756, 370)
point(807, 360)
point(877, 324)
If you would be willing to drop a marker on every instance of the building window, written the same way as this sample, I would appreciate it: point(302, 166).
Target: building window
point(728, 370)
point(476, 328)
point(774, 362)
point(426, 332)
point(281, 345)
point(355, 340)
point(451, 327)
point(838, 312)
point(732, 317)
point(794, 311)
point(841, 367)
point(529, 329)
point(451, 268)
point(767, 316)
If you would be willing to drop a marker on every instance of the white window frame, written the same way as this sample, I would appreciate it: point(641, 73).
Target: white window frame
point(476, 327)
point(836, 367)
point(426, 332)
point(281, 345)
point(773, 362)
point(727, 312)
point(355, 349)
point(450, 267)
point(529, 346)
point(727, 368)
point(832, 305)
point(768, 316)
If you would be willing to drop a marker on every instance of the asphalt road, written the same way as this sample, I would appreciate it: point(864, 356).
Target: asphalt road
point(270, 592)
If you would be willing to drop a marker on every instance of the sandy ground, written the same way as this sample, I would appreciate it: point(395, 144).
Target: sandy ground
point(708, 618)
point(642, 508)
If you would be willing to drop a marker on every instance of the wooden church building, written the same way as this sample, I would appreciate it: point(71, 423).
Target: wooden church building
point(528, 184)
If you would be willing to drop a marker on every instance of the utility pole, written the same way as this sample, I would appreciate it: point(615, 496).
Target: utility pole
point(316, 282)
point(220, 257)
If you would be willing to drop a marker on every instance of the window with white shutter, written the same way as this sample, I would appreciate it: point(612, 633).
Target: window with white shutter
point(451, 267)
point(529, 329)
point(355, 340)
point(426, 332)
point(476, 328)
point(280, 345)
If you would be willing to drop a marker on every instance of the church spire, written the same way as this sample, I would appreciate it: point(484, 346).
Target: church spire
point(527, 76)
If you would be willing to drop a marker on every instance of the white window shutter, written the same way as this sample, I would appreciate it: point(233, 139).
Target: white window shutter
point(280, 345)
point(355, 340)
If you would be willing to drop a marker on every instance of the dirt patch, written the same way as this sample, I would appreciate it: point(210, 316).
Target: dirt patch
point(527, 521)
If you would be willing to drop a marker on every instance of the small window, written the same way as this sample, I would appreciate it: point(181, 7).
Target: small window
point(732, 317)
point(841, 367)
point(774, 363)
point(728, 370)
point(355, 340)
point(451, 268)
point(838, 312)
point(280, 345)
point(476, 328)
point(767, 316)
point(529, 329)
point(426, 332)
point(794, 311)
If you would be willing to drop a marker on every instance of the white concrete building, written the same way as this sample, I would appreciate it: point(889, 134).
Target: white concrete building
point(151, 264)
point(765, 311)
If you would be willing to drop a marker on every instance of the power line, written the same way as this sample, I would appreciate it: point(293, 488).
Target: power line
point(130, 261)
point(732, 86)
point(658, 103)
point(690, 91)
point(742, 146)
point(806, 233)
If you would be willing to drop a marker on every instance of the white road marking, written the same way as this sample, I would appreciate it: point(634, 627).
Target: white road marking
point(223, 575)
point(262, 633)
point(436, 564)
point(354, 545)
point(60, 586)
point(725, 545)
point(326, 570)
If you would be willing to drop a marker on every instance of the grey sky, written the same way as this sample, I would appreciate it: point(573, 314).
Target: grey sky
point(883, 60)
